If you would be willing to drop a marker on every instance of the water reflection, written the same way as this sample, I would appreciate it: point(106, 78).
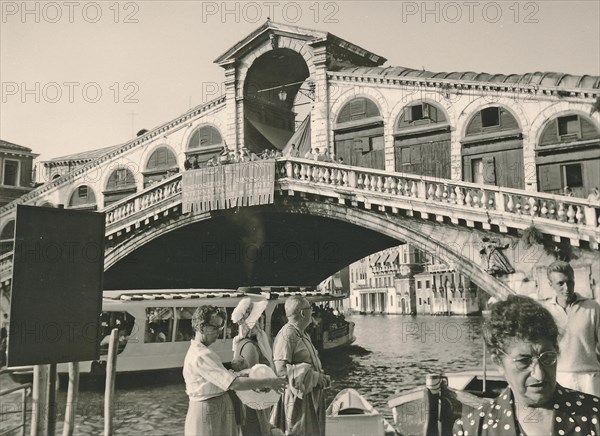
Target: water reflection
point(391, 353)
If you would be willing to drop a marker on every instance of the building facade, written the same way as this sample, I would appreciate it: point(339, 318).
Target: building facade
point(16, 171)
point(405, 280)
point(441, 290)
point(384, 283)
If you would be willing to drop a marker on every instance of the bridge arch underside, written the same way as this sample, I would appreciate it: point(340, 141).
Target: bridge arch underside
point(253, 246)
point(294, 242)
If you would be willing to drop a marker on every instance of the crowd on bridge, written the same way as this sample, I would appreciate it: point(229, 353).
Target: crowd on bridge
point(229, 157)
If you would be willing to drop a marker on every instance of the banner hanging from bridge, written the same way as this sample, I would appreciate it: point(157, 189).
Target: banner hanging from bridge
point(228, 186)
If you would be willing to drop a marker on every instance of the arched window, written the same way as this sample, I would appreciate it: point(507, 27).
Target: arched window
point(83, 198)
point(161, 164)
point(358, 134)
point(567, 157)
point(7, 235)
point(205, 143)
point(121, 184)
point(422, 141)
point(492, 149)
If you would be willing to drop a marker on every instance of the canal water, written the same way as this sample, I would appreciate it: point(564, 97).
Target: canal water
point(391, 354)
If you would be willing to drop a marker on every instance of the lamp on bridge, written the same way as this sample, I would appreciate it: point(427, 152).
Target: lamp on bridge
point(283, 94)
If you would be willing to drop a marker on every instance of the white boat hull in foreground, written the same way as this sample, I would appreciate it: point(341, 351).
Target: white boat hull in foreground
point(351, 414)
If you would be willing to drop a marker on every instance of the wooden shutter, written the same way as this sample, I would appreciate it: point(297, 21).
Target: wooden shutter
point(467, 176)
point(408, 114)
point(358, 108)
point(550, 133)
point(549, 178)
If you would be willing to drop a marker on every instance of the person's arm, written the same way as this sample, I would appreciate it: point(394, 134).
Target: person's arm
point(249, 353)
point(245, 383)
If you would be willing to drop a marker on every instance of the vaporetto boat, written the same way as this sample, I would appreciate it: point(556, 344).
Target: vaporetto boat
point(155, 325)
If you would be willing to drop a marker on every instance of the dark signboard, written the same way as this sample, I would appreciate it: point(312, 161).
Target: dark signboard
point(56, 297)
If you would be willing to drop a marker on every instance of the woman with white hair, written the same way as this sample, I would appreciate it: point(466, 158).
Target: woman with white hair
point(252, 345)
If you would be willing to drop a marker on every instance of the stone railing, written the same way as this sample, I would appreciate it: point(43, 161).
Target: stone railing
point(569, 217)
point(154, 199)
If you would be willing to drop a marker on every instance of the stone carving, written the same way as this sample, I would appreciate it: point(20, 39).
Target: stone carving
point(494, 261)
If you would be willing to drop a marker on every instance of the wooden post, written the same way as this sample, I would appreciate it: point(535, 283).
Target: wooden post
point(52, 386)
point(484, 368)
point(72, 397)
point(38, 400)
point(109, 388)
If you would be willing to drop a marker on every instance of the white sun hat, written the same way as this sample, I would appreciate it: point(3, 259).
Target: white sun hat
point(248, 311)
point(259, 399)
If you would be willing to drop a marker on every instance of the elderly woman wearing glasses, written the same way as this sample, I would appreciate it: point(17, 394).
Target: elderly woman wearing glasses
point(207, 382)
point(521, 336)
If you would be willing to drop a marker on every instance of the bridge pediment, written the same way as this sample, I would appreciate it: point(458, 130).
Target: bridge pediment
point(339, 51)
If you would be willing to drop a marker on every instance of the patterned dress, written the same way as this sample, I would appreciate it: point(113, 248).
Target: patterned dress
point(574, 413)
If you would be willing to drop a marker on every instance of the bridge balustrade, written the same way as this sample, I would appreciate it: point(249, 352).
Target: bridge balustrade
point(560, 216)
point(573, 218)
point(153, 200)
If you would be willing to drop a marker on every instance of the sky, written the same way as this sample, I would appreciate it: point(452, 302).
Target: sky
point(81, 75)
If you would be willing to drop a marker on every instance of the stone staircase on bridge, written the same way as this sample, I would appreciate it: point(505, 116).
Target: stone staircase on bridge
point(459, 203)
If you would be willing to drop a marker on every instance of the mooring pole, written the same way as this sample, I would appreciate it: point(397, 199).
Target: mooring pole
point(109, 388)
point(72, 397)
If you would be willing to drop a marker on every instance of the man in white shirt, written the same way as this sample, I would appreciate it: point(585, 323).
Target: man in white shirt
point(578, 321)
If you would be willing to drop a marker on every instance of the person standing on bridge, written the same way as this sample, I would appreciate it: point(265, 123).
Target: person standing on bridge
point(578, 321)
point(301, 411)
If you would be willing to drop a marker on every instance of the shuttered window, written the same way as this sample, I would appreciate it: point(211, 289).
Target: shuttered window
point(10, 173)
point(549, 178)
point(204, 137)
point(161, 158)
point(358, 109)
point(569, 127)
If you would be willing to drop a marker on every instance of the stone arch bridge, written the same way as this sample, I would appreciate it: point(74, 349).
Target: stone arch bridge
point(324, 216)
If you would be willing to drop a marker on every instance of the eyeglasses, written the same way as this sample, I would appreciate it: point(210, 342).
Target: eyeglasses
point(547, 358)
point(217, 328)
point(307, 307)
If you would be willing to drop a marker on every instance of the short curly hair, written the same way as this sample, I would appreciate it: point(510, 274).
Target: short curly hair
point(203, 314)
point(518, 318)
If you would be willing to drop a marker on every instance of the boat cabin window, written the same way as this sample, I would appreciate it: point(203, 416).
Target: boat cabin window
point(159, 324)
point(111, 320)
point(184, 330)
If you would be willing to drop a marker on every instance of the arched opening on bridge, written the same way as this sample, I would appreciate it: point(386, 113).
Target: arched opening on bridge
point(273, 88)
point(83, 197)
point(565, 155)
point(255, 246)
point(359, 134)
point(205, 143)
point(162, 163)
point(120, 184)
point(7, 236)
point(492, 149)
point(422, 140)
